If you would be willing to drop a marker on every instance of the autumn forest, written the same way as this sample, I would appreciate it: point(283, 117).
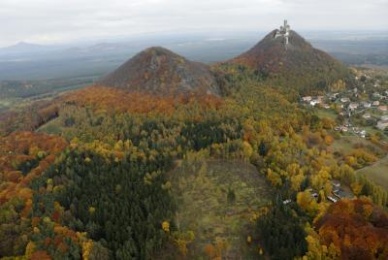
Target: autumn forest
point(107, 173)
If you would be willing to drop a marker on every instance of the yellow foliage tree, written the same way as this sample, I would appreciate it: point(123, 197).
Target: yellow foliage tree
point(274, 178)
point(86, 249)
point(307, 202)
point(166, 226)
point(30, 249)
point(247, 149)
point(356, 188)
point(296, 181)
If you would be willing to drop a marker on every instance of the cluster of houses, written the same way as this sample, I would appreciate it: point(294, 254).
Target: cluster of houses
point(338, 193)
point(317, 100)
point(348, 127)
point(383, 122)
point(349, 105)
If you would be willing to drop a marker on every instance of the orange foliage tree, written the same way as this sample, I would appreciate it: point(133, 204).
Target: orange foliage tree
point(357, 228)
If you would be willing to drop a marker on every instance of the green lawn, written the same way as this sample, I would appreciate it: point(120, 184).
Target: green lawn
point(377, 173)
point(201, 192)
point(326, 113)
point(51, 127)
point(345, 144)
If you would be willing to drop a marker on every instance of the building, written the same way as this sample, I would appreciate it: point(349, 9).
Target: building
point(366, 104)
point(307, 98)
point(353, 106)
point(284, 32)
point(332, 199)
point(366, 116)
point(382, 124)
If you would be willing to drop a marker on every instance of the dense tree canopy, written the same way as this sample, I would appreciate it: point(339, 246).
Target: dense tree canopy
point(95, 184)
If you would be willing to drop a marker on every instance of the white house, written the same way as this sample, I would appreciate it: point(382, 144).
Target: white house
point(382, 124)
point(366, 116)
point(384, 118)
point(353, 106)
point(366, 104)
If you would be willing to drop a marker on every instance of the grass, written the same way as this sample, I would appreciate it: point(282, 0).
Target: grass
point(346, 144)
point(326, 113)
point(378, 173)
point(7, 103)
point(201, 190)
point(51, 127)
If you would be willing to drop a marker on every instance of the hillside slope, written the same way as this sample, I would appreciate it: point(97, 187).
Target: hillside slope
point(159, 71)
point(296, 64)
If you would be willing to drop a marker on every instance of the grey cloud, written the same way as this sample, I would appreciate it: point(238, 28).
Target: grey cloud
point(55, 20)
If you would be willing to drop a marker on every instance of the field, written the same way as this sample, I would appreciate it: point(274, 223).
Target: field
point(346, 144)
point(325, 113)
point(378, 172)
point(51, 127)
point(7, 103)
point(218, 220)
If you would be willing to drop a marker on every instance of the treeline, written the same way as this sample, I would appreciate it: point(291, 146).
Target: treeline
point(26, 89)
point(281, 231)
point(28, 118)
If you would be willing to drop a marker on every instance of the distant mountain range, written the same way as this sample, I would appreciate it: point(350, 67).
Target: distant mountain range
point(28, 61)
point(23, 47)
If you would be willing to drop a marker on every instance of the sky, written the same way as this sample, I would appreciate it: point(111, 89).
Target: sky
point(64, 21)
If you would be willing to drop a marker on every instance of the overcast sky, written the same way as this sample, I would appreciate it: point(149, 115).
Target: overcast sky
point(57, 21)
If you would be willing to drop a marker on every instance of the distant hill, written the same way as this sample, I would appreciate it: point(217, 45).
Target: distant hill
point(24, 47)
point(296, 64)
point(162, 72)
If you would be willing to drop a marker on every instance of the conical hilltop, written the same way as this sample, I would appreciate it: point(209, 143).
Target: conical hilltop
point(289, 57)
point(162, 72)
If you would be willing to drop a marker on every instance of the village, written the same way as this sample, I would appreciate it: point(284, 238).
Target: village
point(360, 110)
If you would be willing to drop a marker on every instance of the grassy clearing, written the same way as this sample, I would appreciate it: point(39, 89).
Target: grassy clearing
point(51, 127)
point(377, 173)
point(7, 103)
point(345, 144)
point(201, 190)
point(326, 113)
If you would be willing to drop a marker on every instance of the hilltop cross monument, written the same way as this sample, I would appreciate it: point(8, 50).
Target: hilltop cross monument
point(284, 32)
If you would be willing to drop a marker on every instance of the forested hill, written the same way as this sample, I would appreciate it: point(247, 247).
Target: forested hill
point(160, 71)
point(297, 65)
